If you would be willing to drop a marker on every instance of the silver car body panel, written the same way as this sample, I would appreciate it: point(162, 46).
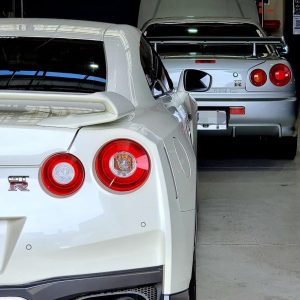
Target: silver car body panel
point(269, 110)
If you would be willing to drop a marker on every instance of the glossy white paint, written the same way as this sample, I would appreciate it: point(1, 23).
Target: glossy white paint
point(96, 230)
point(34, 144)
point(64, 110)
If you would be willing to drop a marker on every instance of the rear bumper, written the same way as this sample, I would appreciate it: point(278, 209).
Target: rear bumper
point(263, 117)
point(145, 282)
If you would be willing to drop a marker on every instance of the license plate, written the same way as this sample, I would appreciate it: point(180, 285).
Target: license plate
point(212, 120)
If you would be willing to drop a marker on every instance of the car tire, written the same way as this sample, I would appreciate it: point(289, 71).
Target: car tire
point(192, 286)
point(288, 147)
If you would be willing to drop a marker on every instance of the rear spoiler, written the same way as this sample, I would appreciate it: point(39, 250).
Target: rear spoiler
point(277, 42)
point(68, 110)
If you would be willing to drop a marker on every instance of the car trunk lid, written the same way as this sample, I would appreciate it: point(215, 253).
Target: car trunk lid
point(36, 125)
point(229, 74)
point(30, 145)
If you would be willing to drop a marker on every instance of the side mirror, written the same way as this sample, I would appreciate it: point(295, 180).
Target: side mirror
point(194, 81)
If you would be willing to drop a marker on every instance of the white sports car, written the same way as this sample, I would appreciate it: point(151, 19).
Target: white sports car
point(98, 170)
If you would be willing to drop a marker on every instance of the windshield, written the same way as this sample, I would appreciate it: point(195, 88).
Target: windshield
point(45, 64)
point(194, 30)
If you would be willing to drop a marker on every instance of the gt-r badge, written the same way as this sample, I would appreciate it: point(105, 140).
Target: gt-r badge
point(238, 83)
point(18, 183)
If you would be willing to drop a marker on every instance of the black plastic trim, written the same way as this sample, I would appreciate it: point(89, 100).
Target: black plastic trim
point(178, 296)
point(57, 288)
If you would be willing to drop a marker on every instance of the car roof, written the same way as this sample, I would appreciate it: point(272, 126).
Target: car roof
point(53, 28)
point(197, 9)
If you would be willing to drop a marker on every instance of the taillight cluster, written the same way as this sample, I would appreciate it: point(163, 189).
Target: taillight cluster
point(62, 174)
point(280, 75)
point(121, 165)
point(258, 77)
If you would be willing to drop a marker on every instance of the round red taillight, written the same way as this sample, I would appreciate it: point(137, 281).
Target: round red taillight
point(258, 77)
point(280, 75)
point(62, 174)
point(122, 165)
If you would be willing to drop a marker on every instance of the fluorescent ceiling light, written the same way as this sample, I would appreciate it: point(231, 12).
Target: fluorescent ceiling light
point(192, 30)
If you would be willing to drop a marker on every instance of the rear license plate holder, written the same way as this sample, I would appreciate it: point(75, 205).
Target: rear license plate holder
point(212, 120)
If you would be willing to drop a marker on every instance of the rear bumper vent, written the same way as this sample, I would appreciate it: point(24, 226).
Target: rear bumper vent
point(139, 293)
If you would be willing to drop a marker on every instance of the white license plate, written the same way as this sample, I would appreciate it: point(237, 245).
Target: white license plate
point(212, 120)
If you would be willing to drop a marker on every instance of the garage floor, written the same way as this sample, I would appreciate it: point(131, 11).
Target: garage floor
point(248, 243)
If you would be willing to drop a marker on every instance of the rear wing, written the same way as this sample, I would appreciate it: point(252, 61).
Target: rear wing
point(68, 110)
point(277, 42)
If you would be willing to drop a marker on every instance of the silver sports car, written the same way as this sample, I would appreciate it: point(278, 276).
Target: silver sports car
point(243, 86)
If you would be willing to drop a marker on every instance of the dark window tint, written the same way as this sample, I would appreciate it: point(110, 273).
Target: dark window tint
point(163, 75)
point(156, 74)
point(52, 65)
point(147, 61)
point(205, 30)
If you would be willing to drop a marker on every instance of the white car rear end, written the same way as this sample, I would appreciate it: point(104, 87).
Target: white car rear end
point(97, 178)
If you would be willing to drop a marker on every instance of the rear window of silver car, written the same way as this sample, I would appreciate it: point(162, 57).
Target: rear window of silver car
point(194, 30)
point(52, 64)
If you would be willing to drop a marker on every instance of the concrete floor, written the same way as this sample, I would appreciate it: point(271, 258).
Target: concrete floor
point(248, 245)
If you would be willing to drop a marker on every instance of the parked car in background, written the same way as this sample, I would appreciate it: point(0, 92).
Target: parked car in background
point(98, 169)
point(243, 87)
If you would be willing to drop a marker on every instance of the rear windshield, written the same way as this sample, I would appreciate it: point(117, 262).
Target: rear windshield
point(45, 64)
point(205, 30)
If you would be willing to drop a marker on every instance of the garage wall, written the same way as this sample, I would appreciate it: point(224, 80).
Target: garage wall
point(274, 10)
point(292, 40)
point(115, 11)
